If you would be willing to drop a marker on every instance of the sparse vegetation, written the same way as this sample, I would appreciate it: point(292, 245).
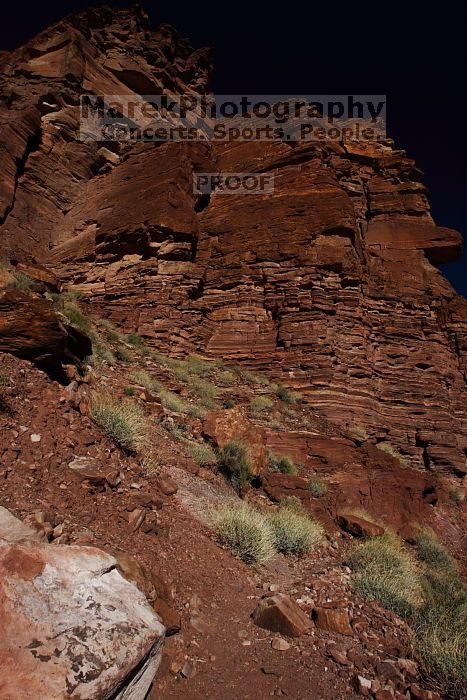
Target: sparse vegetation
point(441, 642)
point(113, 336)
point(275, 423)
point(196, 365)
point(295, 532)
point(177, 431)
point(292, 502)
point(385, 570)
point(129, 390)
point(431, 551)
point(228, 403)
point(253, 377)
point(111, 333)
point(260, 404)
point(123, 353)
point(76, 316)
point(441, 623)
point(225, 378)
point(391, 450)
point(160, 358)
point(21, 281)
point(358, 432)
point(104, 354)
point(202, 453)
point(317, 487)
point(285, 394)
point(281, 463)
point(134, 340)
point(364, 515)
point(144, 379)
point(124, 422)
point(173, 402)
point(206, 392)
point(456, 495)
point(429, 592)
point(245, 532)
point(234, 461)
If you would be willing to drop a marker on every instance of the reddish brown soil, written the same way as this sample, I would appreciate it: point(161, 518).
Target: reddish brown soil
point(219, 648)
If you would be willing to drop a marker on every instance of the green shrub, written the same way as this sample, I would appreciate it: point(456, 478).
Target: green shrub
point(206, 391)
point(123, 422)
point(441, 643)
point(144, 379)
point(293, 503)
point(384, 570)
point(21, 281)
point(285, 395)
point(253, 377)
point(245, 532)
point(134, 340)
point(76, 317)
point(129, 390)
point(104, 354)
point(160, 358)
point(429, 592)
point(276, 424)
point(196, 365)
point(441, 624)
point(317, 487)
point(177, 431)
point(174, 402)
point(225, 378)
point(259, 404)
point(281, 463)
point(113, 336)
point(295, 532)
point(289, 412)
point(431, 551)
point(456, 495)
point(234, 461)
point(202, 453)
point(111, 333)
point(229, 403)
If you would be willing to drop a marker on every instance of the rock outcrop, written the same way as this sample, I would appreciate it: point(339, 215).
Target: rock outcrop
point(30, 329)
point(329, 284)
point(72, 626)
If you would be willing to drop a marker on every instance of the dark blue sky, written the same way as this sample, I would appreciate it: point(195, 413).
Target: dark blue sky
point(261, 48)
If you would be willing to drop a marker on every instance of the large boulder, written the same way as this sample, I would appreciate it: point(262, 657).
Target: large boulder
point(72, 626)
point(30, 329)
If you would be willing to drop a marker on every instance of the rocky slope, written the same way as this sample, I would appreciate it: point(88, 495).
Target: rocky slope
point(60, 474)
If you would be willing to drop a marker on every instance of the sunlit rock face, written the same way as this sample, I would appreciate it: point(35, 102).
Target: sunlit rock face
point(328, 284)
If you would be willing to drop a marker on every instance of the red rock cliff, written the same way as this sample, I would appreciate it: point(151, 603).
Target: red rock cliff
point(329, 284)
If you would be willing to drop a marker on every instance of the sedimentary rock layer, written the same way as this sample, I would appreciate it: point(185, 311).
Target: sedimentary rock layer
point(329, 283)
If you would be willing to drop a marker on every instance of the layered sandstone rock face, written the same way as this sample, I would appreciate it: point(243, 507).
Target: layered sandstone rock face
point(329, 284)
